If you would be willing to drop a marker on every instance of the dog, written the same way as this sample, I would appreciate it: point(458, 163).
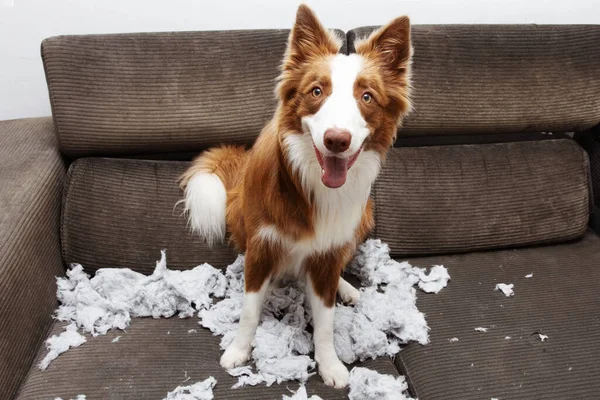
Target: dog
point(298, 202)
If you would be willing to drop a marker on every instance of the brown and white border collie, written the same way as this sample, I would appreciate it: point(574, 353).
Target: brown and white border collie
point(298, 202)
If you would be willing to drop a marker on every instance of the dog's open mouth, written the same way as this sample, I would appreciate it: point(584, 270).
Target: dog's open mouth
point(334, 169)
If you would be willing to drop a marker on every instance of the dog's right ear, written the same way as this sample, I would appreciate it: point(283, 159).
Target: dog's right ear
point(308, 39)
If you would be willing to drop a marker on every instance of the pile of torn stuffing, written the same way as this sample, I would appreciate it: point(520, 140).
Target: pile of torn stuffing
point(385, 317)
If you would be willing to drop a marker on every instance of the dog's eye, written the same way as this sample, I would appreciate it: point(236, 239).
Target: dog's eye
point(366, 97)
point(317, 92)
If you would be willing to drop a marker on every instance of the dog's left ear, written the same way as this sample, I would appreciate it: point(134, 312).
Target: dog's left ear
point(390, 44)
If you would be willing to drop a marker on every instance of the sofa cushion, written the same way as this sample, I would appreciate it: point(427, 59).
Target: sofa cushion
point(560, 300)
point(466, 197)
point(481, 79)
point(141, 93)
point(121, 213)
point(152, 358)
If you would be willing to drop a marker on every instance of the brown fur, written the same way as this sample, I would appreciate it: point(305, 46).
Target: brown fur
point(387, 76)
point(261, 187)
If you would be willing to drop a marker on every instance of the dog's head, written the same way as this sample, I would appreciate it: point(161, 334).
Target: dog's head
point(347, 104)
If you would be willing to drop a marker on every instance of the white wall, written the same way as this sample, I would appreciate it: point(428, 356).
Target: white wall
point(24, 23)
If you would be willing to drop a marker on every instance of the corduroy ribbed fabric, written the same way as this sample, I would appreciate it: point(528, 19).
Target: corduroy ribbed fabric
point(461, 198)
point(482, 79)
point(152, 358)
point(560, 300)
point(31, 179)
point(144, 93)
point(590, 141)
point(120, 213)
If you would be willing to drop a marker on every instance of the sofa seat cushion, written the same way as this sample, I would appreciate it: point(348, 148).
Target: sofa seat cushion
point(151, 359)
point(560, 300)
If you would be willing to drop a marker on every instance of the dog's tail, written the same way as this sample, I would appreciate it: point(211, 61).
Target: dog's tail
point(205, 184)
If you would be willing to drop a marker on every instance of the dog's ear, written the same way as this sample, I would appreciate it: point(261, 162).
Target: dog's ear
point(308, 39)
point(390, 44)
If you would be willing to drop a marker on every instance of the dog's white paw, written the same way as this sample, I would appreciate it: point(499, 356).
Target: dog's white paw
point(334, 373)
point(349, 295)
point(234, 356)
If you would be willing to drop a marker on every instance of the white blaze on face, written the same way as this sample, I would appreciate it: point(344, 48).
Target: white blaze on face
point(340, 110)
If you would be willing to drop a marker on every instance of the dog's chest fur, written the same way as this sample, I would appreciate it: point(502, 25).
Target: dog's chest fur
point(337, 213)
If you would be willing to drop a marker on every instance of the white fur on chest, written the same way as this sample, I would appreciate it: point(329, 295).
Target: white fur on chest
point(338, 211)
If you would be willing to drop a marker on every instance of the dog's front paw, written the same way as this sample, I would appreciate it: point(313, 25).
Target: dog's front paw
point(350, 295)
point(234, 356)
point(334, 373)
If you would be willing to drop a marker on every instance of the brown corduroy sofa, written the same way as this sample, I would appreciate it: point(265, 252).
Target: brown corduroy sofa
point(489, 177)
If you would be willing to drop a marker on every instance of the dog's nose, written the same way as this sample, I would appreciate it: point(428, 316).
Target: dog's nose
point(337, 140)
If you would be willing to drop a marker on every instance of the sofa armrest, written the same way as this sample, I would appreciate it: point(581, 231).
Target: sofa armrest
point(32, 173)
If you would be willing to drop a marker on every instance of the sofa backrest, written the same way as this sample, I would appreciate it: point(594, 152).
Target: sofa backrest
point(482, 79)
point(132, 94)
point(144, 93)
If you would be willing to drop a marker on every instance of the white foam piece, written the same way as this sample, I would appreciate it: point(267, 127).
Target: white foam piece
point(436, 280)
point(202, 390)
point(366, 384)
point(58, 344)
point(507, 289)
point(301, 395)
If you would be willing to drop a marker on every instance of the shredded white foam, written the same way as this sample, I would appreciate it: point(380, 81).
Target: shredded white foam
point(79, 397)
point(384, 318)
point(366, 384)
point(301, 395)
point(202, 390)
point(58, 344)
point(507, 289)
point(481, 329)
point(114, 295)
point(529, 275)
point(436, 280)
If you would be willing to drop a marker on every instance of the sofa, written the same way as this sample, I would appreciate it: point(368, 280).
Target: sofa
point(495, 175)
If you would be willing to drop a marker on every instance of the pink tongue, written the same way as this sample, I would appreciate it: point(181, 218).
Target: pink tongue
point(335, 171)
